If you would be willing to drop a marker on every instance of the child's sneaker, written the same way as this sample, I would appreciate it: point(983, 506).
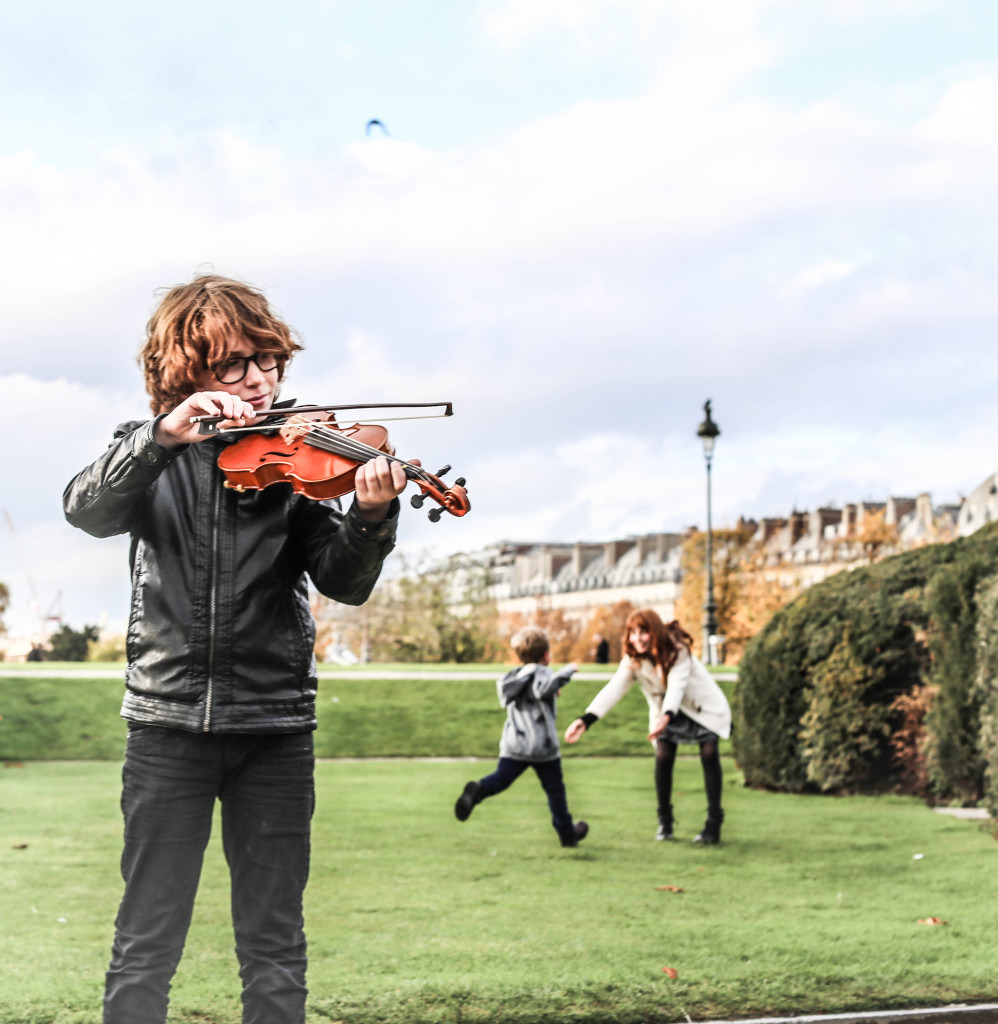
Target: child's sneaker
point(467, 800)
point(579, 832)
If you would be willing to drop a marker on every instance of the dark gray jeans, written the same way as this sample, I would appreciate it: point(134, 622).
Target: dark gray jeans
point(508, 770)
point(171, 780)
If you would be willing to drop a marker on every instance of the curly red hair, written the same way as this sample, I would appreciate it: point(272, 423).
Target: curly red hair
point(192, 329)
point(667, 639)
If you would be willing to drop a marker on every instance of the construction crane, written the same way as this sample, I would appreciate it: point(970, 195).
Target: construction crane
point(52, 619)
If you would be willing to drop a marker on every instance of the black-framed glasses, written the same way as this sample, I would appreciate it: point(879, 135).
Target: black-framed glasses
point(233, 370)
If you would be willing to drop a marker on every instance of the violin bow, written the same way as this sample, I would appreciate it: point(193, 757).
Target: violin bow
point(209, 424)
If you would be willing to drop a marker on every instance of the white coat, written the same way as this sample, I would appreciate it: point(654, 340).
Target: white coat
point(691, 689)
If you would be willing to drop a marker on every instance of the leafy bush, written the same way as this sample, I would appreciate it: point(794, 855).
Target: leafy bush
point(819, 703)
point(986, 688)
point(842, 729)
point(908, 740)
point(952, 723)
point(68, 644)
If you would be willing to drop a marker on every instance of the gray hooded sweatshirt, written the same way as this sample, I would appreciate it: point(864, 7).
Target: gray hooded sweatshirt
point(529, 694)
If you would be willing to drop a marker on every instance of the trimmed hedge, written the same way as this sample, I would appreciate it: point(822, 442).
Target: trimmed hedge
point(986, 688)
point(822, 691)
point(953, 725)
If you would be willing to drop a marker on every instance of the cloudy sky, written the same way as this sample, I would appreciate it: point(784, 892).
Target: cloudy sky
point(586, 218)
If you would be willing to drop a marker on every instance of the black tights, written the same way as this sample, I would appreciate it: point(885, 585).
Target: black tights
point(710, 761)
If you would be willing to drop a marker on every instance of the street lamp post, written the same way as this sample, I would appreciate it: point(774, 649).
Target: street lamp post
point(708, 431)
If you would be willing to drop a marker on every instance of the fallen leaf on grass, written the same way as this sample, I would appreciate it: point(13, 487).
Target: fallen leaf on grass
point(19, 846)
point(670, 972)
point(669, 888)
point(932, 920)
point(13, 764)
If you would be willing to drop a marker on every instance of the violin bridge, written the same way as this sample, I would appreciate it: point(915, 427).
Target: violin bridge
point(295, 428)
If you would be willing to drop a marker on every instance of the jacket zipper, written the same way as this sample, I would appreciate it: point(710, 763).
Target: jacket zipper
point(212, 609)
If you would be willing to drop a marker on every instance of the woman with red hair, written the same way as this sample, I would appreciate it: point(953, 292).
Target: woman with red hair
point(685, 705)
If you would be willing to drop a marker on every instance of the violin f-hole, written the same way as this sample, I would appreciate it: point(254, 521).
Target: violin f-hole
point(273, 454)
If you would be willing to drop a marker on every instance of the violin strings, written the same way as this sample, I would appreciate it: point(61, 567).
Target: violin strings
point(348, 446)
point(330, 442)
point(339, 444)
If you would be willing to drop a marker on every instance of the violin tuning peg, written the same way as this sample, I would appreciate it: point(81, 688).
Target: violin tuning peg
point(442, 472)
point(460, 482)
point(417, 500)
point(435, 514)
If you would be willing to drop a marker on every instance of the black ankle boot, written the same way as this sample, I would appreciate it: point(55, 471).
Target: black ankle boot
point(711, 833)
point(574, 835)
point(470, 795)
point(665, 822)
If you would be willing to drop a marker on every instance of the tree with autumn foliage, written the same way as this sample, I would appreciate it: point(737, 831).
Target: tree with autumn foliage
point(876, 536)
point(607, 620)
point(746, 591)
point(728, 549)
point(563, 631)
point(762, 592)
point(409, 618)
point(570, 639)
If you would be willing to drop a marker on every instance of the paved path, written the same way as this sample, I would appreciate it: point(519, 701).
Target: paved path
point(983, 1013)
point(968, 813)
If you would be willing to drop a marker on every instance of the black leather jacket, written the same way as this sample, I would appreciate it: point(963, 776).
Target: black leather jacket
point(220, 634)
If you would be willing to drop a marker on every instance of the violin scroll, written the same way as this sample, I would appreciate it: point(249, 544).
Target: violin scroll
point(449, 499)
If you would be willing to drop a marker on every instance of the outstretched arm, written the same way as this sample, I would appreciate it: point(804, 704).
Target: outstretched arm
point(618, 685)
point(574, 732)
point(565, 675)
point(548, 683)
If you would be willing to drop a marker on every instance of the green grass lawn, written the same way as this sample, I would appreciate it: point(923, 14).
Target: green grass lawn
point(811, 904)
point(77, 718)
point(117, 668)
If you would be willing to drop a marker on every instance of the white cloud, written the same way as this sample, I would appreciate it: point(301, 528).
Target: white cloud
point(964, 119)
point(577, 287)
point(54, 429)
point(510, 23)
point(826, 272)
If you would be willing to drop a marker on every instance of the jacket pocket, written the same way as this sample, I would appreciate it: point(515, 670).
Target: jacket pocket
point(304, 633)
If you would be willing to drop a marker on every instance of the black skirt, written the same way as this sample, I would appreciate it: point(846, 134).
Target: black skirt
point(682, 729)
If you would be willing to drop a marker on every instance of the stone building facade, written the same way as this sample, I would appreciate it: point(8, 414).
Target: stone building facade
point(799, 549)
point(579, 578)
point(980, 508)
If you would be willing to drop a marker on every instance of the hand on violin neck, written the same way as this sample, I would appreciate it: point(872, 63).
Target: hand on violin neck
point(377, 482)
point(175, 428)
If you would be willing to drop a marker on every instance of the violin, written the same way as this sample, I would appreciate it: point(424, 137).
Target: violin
point(320, 458)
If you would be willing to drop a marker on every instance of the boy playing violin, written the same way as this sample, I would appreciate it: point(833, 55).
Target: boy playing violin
point(221, 676)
